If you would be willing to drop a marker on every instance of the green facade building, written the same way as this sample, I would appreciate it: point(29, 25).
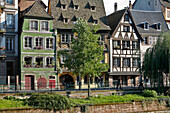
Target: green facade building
point(37, 47)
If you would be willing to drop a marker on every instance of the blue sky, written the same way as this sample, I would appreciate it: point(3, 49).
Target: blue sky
point(109, 5)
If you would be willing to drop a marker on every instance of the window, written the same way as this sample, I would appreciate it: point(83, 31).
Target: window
point(126, 62)
point(39, 62)
point(116, 62)
point(63, 58)
point(156, 2)
point(44, 26)
point(65, 38)
point(76, 7)
point(146, 26)
point(39, 43)
point(10, 21)
point(158, 26)
point(126, 18)
point(135, 45)
point(10, 44)
point(152, 40)
point(9, 1)
point(126, 44)
point(149, 3)
point(135, 62)
point(126, 28)
point(93, 8)
point(116, 44)
point(28, 62)
point(49, 62)
point(49, 43)
point(34, 25)
point(65, 20)
point(146, 40)
point(72, 37)
point(95, 21)
point(28, 42)
point(63, 6)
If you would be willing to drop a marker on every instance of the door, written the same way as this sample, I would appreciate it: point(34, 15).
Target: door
point(42, 83)
point(10, 72)
point(29, 82)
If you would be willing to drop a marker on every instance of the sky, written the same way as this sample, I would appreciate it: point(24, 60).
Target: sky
point(109, 5)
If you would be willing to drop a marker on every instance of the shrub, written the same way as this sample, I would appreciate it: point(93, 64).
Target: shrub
point(149, 93)
point(50, 101)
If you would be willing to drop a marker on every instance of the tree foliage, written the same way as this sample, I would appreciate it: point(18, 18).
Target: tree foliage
point(86, 53)
point(156, 60)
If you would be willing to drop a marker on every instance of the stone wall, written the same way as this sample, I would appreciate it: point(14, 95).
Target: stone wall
point(108, 108)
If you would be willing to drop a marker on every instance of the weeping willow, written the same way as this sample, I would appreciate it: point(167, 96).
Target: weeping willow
point(156, 61)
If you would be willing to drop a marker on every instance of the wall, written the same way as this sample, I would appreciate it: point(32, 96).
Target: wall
point(110, 108)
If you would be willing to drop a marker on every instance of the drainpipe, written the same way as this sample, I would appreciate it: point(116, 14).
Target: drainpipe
point(55, 55)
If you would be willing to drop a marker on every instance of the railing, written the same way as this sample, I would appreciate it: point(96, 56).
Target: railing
point(46, 87)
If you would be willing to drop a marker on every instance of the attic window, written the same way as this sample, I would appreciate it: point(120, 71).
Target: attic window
point(158, 26)
point(146, 26)
point(126, 18)
point(76, 7)
point(65, 20)
point(95, 21)
point(93, 8)
point(63, 6)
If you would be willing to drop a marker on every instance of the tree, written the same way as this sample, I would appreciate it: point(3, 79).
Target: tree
point(86, 53)
point(156, 60)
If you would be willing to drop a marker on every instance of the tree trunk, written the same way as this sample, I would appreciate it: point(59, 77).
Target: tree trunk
point(88, 86)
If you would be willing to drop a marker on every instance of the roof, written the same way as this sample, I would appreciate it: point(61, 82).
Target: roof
point(166, 3)
point(37, 10)
point(24, 4)
point(152, 17)
point(115, 18)
point(83, 12)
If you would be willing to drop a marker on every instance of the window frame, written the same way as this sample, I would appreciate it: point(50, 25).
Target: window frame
point(145, 25)
point(135, 45)
point(116, 61)
point(116, 44)
point(126, 44)
point(13, 20)
point(39, 47)
point(49, 43)
point(76, 7)
point(47, 64)
point(30, 28)
point(63, 6)
point(93, 8)
point(158, 26)
point(65, 38)
point(135, 62)
point(126, 63)
point(127, 28)
point(12, 47)
point(27, 43)
point(126, 19)
point(44, 29)
point(9, 3)
point(40, 62)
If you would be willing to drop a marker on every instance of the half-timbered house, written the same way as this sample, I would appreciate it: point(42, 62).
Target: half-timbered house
point(124, 49)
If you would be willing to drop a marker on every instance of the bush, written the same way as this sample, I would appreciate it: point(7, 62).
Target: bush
point(149, 93)
point(50, 101)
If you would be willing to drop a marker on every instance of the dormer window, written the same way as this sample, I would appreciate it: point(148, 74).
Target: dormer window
point(65, 20)
point(76, 7)
point(146, 26)
point(95, 21)
point(93, 8)
point(126, 18)
point(158, 26)
point(63, 7)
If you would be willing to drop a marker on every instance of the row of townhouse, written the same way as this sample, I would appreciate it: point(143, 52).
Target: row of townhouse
point(125, 35)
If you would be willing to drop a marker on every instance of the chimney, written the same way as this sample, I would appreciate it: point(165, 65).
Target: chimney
point(49, 7)
point(130, 4)
point(115, 6)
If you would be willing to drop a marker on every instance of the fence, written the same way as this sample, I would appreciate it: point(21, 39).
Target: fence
point(44, 87)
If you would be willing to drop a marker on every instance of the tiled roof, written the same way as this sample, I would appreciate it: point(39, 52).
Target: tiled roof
point(24, 4)
point(166, 3)
point(84, 12)
point(152, 17)
point(37, 10)
point(115, 18)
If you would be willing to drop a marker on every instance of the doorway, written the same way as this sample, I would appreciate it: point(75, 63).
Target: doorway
point(29, 82)
point(10, 72)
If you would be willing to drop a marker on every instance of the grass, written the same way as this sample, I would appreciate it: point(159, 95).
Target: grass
point(12, 104)
point(18, 103)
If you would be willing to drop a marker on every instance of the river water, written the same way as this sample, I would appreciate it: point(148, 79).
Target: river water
point(167, 111)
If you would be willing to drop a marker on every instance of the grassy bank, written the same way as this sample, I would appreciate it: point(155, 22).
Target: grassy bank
point(52, 100)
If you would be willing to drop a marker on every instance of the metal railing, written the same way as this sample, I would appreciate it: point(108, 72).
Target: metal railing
point(45, 87)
